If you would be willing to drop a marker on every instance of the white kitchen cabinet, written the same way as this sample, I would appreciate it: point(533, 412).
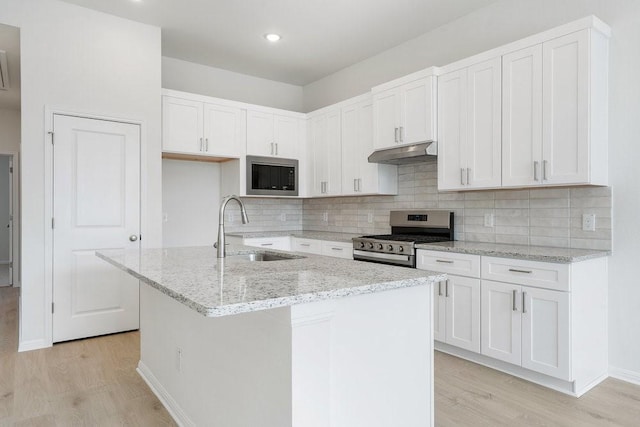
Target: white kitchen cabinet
point(358, 175)
point(311, 246)
point(194, 127)
point(271, 134)
point(469, 126)
point(501, 321)
point(282, 243)
point(337, 249)
point(325, 138)
point(404, 110)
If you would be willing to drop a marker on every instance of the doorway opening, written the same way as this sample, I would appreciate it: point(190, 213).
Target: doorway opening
point(6, 220)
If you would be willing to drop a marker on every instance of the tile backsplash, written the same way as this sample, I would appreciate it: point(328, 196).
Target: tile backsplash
point(546, 217)
point(265, 214)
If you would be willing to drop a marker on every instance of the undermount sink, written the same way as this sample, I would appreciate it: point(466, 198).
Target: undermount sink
point(263, 256)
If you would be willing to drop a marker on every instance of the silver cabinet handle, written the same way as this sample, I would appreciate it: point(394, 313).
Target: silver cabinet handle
point(461, 176)
point(201, 145)
point(396, 134)
point(468, 171)
point(401, 134)
point(536, 165)
point(305, 244)
point(133, 237)
point(444, 261)
point(272, 148)
point(276, 148)
point(446, 288)
point(514, 270)
point(359, 184)
point(544, 169)
point(440, 288)
point(336, 249)
point(515, 308)
point(524, 298)
point(266, 244)
point(206, 145)
point(355, 185)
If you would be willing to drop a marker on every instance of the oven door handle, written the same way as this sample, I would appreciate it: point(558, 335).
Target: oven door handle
point(382, 256)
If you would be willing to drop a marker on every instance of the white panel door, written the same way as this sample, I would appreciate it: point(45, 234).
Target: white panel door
point(386, 118)
point(439, 312)
point(350, 150)
point(501, 321)
point(369, 178)
point(484, 118)
point(463, 312)
point(96, 206)
point(522, 117)
point(417, 111)
point(333, 153)
point(286, 137)
point(182, 125)
point(565, 146)
point(452, 130)
point(260, 137)
point(318, 140)
point(223, 131)
point(546, 339)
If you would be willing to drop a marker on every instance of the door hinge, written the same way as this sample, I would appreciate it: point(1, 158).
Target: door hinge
point(52, 134)
point(52, 309)
point(53, 223)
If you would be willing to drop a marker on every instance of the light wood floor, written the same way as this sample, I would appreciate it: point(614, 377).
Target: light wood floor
point(93, 382)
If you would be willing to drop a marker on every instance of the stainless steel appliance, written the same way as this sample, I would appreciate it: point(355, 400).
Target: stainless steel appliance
point(272, 176)
point(408, 228)
point(412, 153)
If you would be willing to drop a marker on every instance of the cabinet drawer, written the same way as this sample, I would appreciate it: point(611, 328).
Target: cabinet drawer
point(310, 246)
point(337, 249)
point(532, 273)
point(281, 243)
point(448, 262)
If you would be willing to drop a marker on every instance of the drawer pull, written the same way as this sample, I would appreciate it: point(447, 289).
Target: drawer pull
point(444, 261)
point(305, 244)
point(336, 249)
point(266, 244)
point(513, 270)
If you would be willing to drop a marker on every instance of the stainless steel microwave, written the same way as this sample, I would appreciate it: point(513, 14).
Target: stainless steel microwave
point(272, 176)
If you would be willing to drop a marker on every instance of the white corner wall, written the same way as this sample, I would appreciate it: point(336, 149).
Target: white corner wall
point(510, 20)
point(201, 79)
point(79, 60)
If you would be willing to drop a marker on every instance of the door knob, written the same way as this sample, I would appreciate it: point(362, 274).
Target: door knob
point(133, 237)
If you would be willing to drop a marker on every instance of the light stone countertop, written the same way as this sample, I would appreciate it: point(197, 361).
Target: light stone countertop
point(531, 253)
point(315, 235)
point(196, 278)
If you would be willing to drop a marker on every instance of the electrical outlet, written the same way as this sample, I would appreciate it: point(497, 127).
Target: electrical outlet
point(283, 217)
point(370, 218)
point(488, 220)
point(325, 216)
point(178, 359)
point(589, 222)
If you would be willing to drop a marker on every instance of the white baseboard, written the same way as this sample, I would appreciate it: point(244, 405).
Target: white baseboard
point(163, 395)
point(32, 345)
point(624, 375)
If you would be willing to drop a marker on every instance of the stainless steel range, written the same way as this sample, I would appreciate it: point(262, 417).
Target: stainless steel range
point(408, 228)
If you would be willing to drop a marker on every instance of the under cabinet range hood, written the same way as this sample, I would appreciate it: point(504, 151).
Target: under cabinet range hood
point(412, 153)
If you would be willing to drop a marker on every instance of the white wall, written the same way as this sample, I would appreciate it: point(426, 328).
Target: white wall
point(204, 80)
point(85, 61)
point(190, 201)
point(509, 20)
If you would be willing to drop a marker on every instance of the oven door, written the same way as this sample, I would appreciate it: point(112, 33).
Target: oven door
point(382, 258)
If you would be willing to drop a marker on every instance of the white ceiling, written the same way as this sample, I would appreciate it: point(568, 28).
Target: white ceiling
point(319, 37)
point(10, 43)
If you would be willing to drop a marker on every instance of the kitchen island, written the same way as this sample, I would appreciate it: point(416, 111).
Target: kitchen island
point(301, 341)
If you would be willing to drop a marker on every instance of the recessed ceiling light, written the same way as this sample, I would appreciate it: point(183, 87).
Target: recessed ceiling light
point(272, 37)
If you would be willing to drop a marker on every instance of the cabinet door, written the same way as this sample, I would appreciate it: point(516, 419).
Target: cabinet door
point(501, 321)
point(386, 118)
point(452, 130)
point(260, 138)
point(439, 312)
point(417, 111)
point(484, 118)
point(565, 146)
point(463, 312)
point(351, 150)
point(522, 117)
point(546, 340)
point(333, 152)
point(318, 141)
point(286, 137)
point(223, 131)
point(181, 125)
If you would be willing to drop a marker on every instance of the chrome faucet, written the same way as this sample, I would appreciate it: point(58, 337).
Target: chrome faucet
point(245, 219)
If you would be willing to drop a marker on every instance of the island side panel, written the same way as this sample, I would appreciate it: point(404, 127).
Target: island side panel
point(365, 360)
point(225, 371)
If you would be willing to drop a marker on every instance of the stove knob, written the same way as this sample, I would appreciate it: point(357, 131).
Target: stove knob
point(390, 247)
point(380, 246)
point(370, 245)
point(400, 248)
point(361, 244)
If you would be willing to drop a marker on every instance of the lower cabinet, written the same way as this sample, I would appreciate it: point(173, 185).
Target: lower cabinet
point(456, 312)
point(298, 244)
point(281, 243)
point(527, 326)
point(337, 249)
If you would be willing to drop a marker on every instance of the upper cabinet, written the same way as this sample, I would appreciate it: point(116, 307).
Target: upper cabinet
point(271, 134)
point(469, 143)
point(325, 140)
point(555, 112)
point(404, 110)
point(194, 127)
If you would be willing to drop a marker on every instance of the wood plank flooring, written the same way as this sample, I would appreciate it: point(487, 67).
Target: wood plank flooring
point(93, 382)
